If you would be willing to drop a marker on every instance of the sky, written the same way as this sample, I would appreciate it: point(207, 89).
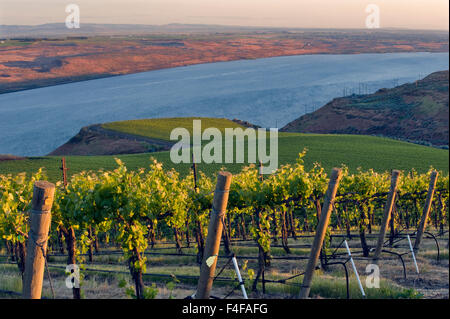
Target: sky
point(411, 14)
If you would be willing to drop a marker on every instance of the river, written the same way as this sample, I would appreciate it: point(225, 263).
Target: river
point(269, 92)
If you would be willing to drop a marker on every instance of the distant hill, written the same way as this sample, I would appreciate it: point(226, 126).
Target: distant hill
point(90, 29)
point(416, 112)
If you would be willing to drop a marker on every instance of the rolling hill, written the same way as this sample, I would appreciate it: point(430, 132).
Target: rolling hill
point(381, 154)
point(134, 136)
point(415, 112)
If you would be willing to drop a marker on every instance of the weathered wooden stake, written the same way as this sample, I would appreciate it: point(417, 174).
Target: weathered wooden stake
point(426, 211)
point(260, 169)
point(387, 214)
point(194, 169)
point(64, 171)
point(40, 219)
point(336, 175)
point(213, 239)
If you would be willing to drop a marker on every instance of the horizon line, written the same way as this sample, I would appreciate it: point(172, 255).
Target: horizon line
point(234, 26)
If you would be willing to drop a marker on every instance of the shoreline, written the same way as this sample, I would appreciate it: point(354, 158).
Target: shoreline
point(50, 82)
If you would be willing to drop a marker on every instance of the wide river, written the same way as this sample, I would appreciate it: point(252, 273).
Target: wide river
point(269, 92)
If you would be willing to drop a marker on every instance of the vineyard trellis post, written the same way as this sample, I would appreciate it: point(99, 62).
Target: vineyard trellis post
point(335, 177)
point(392, 225)
point(260, 169)
point(194, 171)
point(64, 169)
point(60, 235)
point(387, 213)
point(213, 239)
point(426, 210)
point(40, 219)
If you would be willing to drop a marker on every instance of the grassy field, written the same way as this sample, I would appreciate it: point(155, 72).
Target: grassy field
point(355, 151)
point(175, 275)
point(103, 276)
point(161, 128)
point(7, 43)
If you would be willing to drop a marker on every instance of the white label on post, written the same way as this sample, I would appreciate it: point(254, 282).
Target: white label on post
point(211, 260)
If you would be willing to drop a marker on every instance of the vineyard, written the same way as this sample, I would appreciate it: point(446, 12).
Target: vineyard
point(269, 225)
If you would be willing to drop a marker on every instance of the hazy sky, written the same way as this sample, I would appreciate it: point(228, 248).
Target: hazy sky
point(413, 14)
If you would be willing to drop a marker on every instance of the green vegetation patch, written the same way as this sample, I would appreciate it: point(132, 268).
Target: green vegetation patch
point(429, 107)
point(161, 128)
point(381, 154)
point(326, 286)
point(8, 43)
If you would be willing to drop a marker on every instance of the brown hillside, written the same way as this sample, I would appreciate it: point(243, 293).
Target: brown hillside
point(34, 62)
point(414, 111)
point(96, 140)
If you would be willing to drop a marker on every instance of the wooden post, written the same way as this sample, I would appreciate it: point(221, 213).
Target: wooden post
point(260, 169)
point(40, 219)
point(426, 211)
point(211, 252)
point(387, 214)
point(336, 175)
point(392, 225)
point(194, 169)
point(64, 171)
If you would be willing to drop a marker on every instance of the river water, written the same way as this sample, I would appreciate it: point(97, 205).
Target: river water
point(269, 92)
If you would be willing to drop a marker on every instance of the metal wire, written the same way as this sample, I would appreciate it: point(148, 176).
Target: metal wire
point(41, 244)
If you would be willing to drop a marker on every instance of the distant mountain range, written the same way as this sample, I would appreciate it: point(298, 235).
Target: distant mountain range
point(89, 29)
point(416, 112)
